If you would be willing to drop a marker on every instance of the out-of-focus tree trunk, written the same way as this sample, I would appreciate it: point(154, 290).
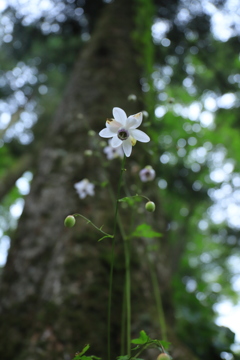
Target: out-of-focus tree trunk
point(54, 289)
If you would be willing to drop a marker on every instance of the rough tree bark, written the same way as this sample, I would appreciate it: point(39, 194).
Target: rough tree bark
point(54, 288)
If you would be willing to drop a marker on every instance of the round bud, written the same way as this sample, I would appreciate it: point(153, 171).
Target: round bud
point(150, 206)
point(163, 356)
point(91, 133)
point(103, 143)
point(88, 152)
point(69, 221)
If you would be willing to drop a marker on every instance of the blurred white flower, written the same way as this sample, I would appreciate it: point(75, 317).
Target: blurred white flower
point(132, 97)
point(84, 188)
point(145, 114)
point(147, 174)
point(123, 130)
point(112, 152)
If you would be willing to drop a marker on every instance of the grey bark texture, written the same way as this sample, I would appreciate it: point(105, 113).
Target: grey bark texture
point(54, 289)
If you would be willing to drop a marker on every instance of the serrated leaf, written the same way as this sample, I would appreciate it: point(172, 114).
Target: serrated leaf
point(145, 230)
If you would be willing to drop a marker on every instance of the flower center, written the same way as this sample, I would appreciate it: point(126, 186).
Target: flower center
point(123, 134)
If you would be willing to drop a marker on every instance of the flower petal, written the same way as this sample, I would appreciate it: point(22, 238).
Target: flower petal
point(113, 125)
point(140, 135)
point(132, 122)
point(90, 189)
point(127, 147)
point(119, 115)
point(115, 142)
point(138, 119)
point(106, 133)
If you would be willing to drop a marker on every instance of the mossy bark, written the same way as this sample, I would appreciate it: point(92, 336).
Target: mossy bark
point(54, 288)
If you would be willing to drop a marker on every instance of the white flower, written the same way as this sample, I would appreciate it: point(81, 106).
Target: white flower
point(123, 130)
point(84, 188)
point(147, 174)
point(113, 153)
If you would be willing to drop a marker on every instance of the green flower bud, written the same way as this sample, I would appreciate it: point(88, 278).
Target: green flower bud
point(150, 206)
point(69, 221)
point(163, 356)
point(103, 143)
point(91, 133)
point(88, 152)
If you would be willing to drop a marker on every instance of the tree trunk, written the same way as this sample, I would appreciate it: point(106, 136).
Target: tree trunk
point(54, 288)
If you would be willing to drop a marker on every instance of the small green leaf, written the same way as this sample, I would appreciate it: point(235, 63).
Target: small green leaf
point(143, 339)
point(123, 200)
point(145, 230)
point(104, 183)
point(79, 356)
point(123, 357)
point(130, 200)
point(86, 347)
point(126, 357)
point(84, 357)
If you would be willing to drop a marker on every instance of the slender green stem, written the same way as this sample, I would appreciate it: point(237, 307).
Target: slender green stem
point(112, 259)
point(143, 348)
point(123, 324)
point(128, 294)
point(127, 289)
point(158, 300)
point(148, 344)
point(96, 227)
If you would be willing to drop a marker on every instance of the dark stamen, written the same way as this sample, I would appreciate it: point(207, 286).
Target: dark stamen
point(123, 134)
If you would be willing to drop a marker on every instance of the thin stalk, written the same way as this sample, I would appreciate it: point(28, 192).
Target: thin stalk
point(96, 227)
point(158, 300)
point(123, 333)
point(112, 260)
point(143, 348)
point(127, 285)
point(128, 294)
